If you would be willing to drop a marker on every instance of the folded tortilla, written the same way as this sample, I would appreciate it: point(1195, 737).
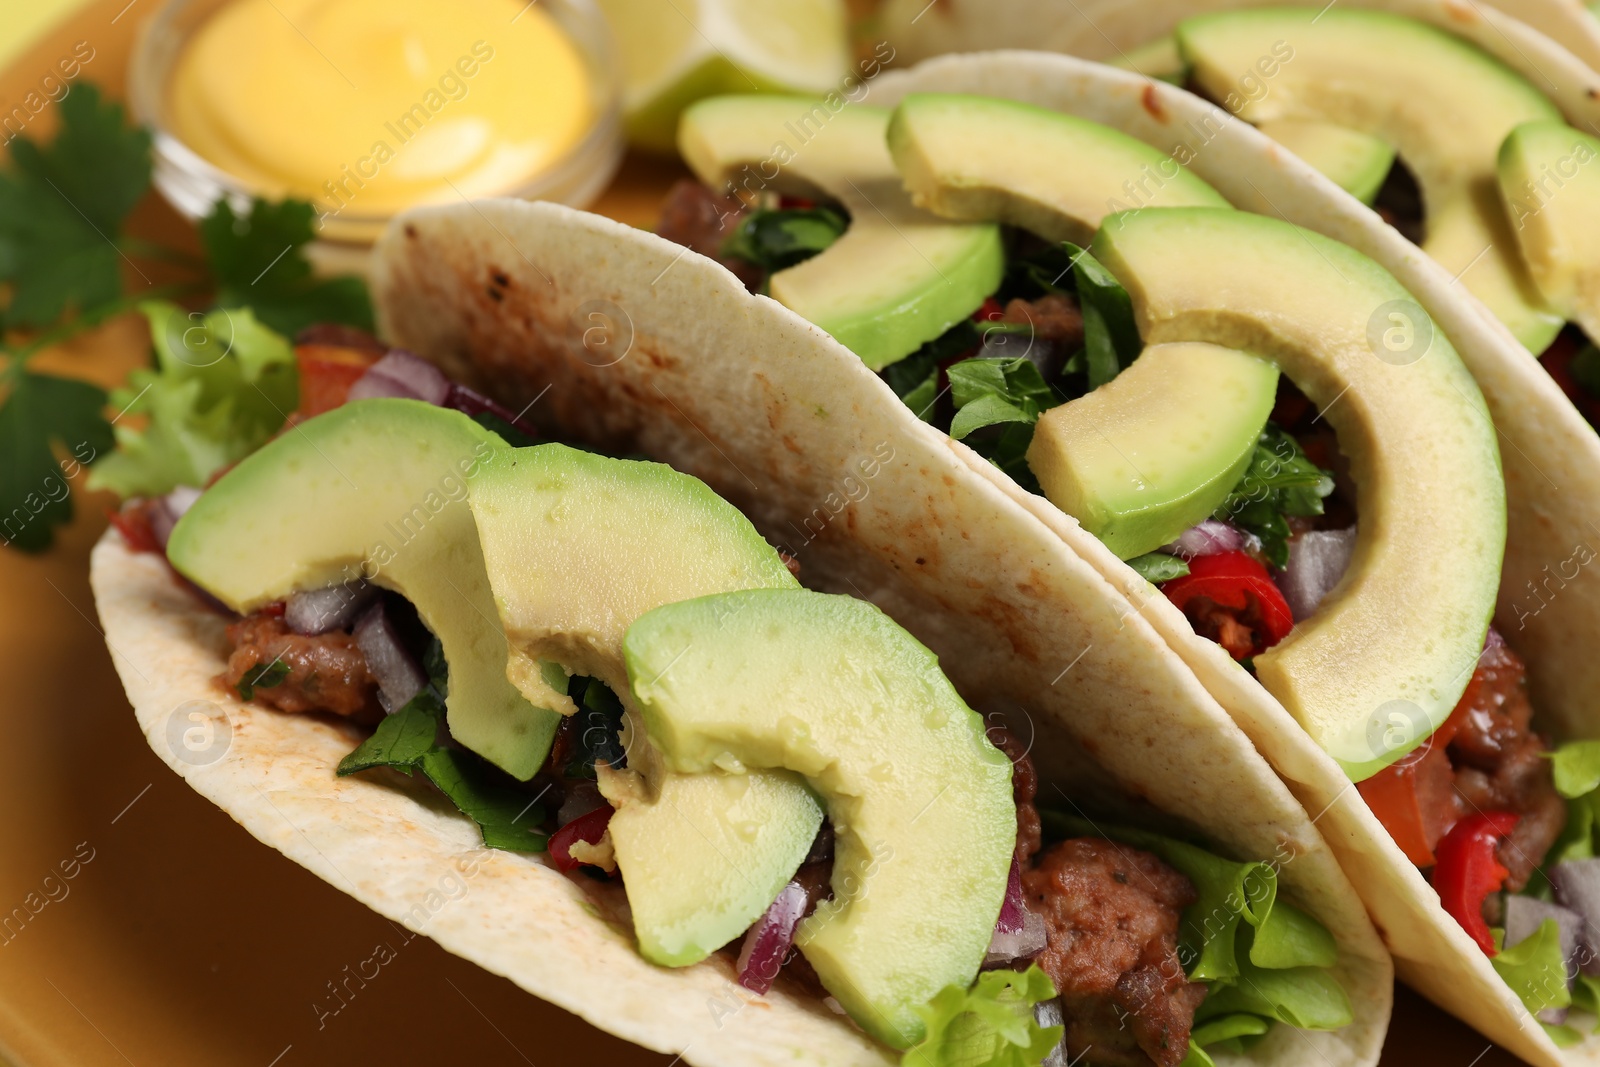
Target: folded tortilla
point(1520, 32)
point(689, 368)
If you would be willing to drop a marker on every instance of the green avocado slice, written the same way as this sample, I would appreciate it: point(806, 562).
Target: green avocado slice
point(1389, 652)
point(899, 277)
point(1442, 103)
point(1158, 448)
point(1051, 174)
point(577, 546)
point(1356, 162)
point(1550, 182)
point(375, 488)
point(831, 688)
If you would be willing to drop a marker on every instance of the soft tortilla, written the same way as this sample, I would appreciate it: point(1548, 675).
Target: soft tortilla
point(779, 418)
point(1551, 460)
point(1106, 30)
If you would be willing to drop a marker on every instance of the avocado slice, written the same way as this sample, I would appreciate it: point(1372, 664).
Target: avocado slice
point(899, 277)
point(1443, 104)
point(1551, 189)
point(831, 688)
point(1408, 621)
point(1159, 447)
point(1051, 174)
point(576, 547)
point(1354, 161)
point(376, 487)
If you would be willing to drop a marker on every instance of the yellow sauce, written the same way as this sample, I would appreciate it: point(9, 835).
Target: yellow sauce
point(368, 106)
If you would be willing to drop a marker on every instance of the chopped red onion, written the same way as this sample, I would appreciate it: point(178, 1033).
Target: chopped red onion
point(400, 374)
point(471, 402)
point(1576, 884)
point(769, 940)
point(1007, 947)
point(165, 511)
point(1013, 912)
point(1317, 560)
point(1047, 1013)
point(1492, 639)
point(399, 677)
point(1210, 538)
point(319, 611)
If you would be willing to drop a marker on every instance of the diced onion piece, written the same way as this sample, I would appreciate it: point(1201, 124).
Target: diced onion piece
point(1013, 913)
point(400, 374)
point(1026, 943)
point(767, 943)
point(320, 611)
point(1211, 538)
point(1317, 560)
point(399, 677)
point(165, 511)
point(1577, 887)
point(471, 402)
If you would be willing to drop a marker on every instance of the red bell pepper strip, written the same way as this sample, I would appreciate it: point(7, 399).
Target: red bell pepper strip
point(589, 828)
point(1468, 871)
point(1235, 581)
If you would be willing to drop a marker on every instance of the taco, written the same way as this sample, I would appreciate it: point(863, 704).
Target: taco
point(1344, 537)
point(582, 654)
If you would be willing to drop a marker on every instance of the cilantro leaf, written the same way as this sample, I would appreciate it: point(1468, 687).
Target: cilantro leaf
point(1110, 334)
point(62, 209)
point(989, 1025)
point(1280, 480)
point(1158, 567)
point(998, 401)
point(915, 379)
point(408, 741)
point(258, 260)
point(777, 239)
point(222, 386)
point(597, 729)
point(262, 676)
point(39, 413)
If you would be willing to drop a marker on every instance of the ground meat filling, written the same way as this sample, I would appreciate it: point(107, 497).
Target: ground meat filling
point(325, 673)
point(1500, 763)
point(700, 220)
point(1238, 630)
point(1111, 913)
point(1024, 787)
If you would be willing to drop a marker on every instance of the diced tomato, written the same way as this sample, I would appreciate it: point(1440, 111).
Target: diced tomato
point(133, 523)
point(589, 828)
point(1468, 871)
point(991, 311)
point(1413, 797)
point(274, 610)
point(795, 203)
point(326, 375)
point(1240, 587)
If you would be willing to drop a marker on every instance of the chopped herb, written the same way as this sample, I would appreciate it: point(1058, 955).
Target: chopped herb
point(258, 261)
point(915, 379)
point(781, 238)
point(262, 676)
point(1110, 334)
point(1280, 481)
point(39, 414)
point(408, 741)
point(1158, 567)
point(435, 667)
point(997, 402)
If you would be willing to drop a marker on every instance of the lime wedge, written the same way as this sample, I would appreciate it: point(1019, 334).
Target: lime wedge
point(675, 52)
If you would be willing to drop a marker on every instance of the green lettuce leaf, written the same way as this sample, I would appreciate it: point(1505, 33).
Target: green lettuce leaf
point(1577, 768)
point(1534, 968)
point(1307, 998)
point(989, 1025)
point(1280, 481)
point(223, 384)
point(407, 741)
point(1228, 1031)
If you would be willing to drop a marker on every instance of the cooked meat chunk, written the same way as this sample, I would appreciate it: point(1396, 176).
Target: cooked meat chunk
point(1500, 763)
point(1054, 317)
point(1239, 631)
point(1024, 787)
point(1111, 914)
point(324, 673)
point(699, 219)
